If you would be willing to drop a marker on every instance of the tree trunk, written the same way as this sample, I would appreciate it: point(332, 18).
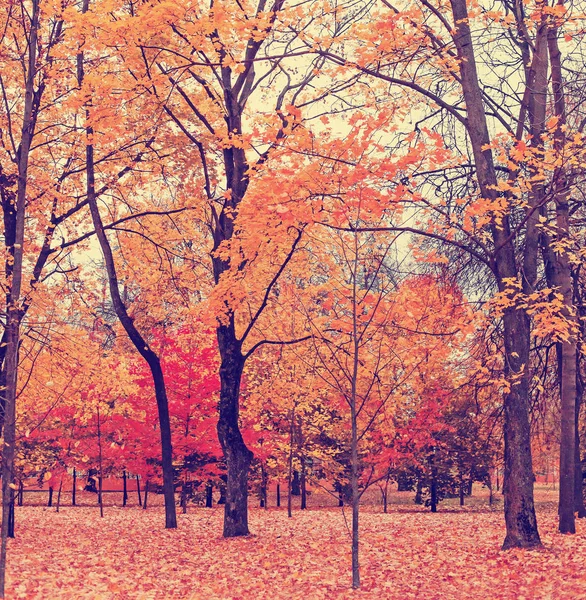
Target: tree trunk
point(74, 488)
point(433, 486)
point(295, 484)
point(100, 472)
point(290, 477)
point(146, 494)
point(124, 489)
point(578, 480)
point(461, 493)
point(303, 483)
point(419, 492)
point(263, 487)
point(11, 516)
point(563, 280)
point(127, 322)
point(237, 456)
point(520, 519)
point(20, 493)
point(209, 495)
point(138, 490)
point(59, 495)
point(50, 500)
point(14, 273)
point(278, 495)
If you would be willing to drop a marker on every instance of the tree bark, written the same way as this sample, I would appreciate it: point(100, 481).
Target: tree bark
point(14, 272)
point(238, 457)
point(560, 276)
point(124, 489)
point(433, 485)
point(59, 495)
point(74, 488)
point(127, 322)
point(138, 490)
point(520, 519)
point(303, 484)
point(209, 495)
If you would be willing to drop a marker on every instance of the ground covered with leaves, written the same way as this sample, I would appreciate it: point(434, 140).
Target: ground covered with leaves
point(408, 553)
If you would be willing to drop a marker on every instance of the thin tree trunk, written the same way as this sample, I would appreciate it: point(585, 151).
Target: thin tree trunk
point(263, 487)
point(100, 473)
point(563, 279)
point(303, 483)
point(278, 495)
point(50, 499)
point(138, 490)
point(74, 488)
point(11, 516)
point(14, 267)
point(578, 480)
point(20, 493)
point(209, 495)
point(433, 487)
point(290, 478)
point(146, 494)
point(59, 495)
point(127, 322)
point(124, 489)
point(354, 424)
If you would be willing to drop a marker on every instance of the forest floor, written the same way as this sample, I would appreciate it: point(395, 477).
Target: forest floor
point(408, 553)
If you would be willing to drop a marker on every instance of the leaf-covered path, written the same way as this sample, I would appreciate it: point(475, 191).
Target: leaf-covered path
point(406, 554)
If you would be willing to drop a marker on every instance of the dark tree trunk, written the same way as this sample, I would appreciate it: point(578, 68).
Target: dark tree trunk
point(130, 328)
point(20, 493)
point(124, 489)
point(222, 489)
point(13, 279)
point(138, 490)
point(295, 484)
point(462, 493)
point(237, 456)
point(100, 466)
point(303, 483)
point(50, 500)
point(520, 519)
point(59, 495)
point(290, 473)
point(11, 516)
point(263, 487)
point(146, 494)
point(340, 499)
point(433, 487)
point(578, 480)
point(209, 495)
point(278, 495)
point(419, 492)
point(74, 488)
